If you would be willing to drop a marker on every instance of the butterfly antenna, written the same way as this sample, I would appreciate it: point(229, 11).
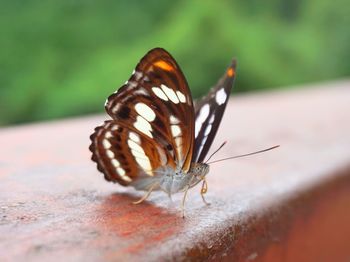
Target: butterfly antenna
point(215, 151)
point(253, 153)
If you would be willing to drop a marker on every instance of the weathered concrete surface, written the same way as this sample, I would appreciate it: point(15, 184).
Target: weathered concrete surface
point(290, 204)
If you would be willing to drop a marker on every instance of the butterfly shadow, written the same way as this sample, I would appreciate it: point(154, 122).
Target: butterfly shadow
point(119, 216)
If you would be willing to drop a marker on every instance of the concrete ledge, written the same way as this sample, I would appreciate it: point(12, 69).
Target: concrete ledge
point(290, 204)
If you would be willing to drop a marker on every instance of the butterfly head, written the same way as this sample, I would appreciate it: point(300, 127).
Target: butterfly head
point(199, 170)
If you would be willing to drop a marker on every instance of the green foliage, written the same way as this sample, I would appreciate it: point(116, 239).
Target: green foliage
point(62, 58)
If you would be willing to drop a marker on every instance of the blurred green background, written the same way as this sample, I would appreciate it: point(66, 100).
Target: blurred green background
point(63, 58)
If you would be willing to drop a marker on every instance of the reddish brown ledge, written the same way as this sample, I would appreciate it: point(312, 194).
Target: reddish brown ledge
point(290, 204)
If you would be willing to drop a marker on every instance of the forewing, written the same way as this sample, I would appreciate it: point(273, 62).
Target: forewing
point(152, 124)
point(158, 92)
point(209, 111)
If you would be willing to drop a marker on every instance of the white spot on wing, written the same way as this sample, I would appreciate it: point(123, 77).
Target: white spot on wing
point(204, 140)
point(197, 128)
point(220, 96)
point(115, 163)
point(158, 92)
point(122, 174)
point(145, 164)
point(138, 154)
point(175, 130)
point(200, 148)
point(143, 126)
point(108, 134)
point(181, 96)
point(121, 171)
point(203, 114)
point(170, 94)
point(106, 144)
point(110, 153)
point(207, 130)
point(134, 146)
point(211, 120)
point(145, 111)
point(174, 120)
point(140, 157)
point(134, 137)
point(202, 144)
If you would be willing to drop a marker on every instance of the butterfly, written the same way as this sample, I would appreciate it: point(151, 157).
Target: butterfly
point(157, 137)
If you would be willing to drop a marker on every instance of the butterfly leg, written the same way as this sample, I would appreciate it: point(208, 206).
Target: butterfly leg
point(145, 195)
point(183, 201)
point(171, 199)
point(184, 197)
point(204, 190)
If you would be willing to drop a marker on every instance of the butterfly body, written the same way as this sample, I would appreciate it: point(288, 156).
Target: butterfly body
point(157, 138)
point(174, 182)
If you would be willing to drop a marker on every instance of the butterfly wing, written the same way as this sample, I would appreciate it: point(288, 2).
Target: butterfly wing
point(124, 154)
point(155, 112)
point(209, 111)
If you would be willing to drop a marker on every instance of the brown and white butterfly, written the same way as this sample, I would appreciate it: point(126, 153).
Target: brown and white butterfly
point(157, 138)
